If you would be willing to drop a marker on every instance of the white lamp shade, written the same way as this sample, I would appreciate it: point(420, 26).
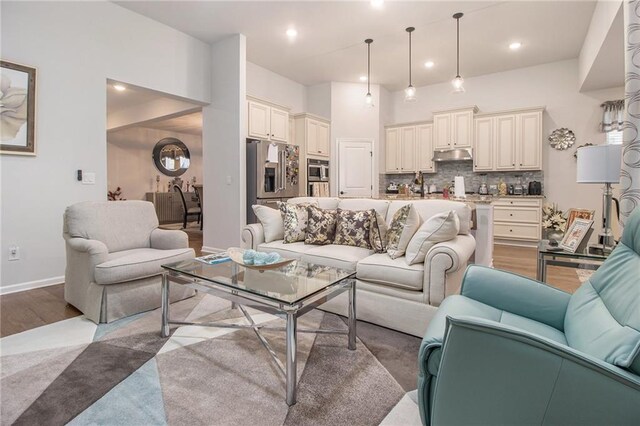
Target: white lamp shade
point(599, 164)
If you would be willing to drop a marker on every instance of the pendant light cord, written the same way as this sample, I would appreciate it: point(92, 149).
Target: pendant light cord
point(369, 67)
point(457, 47)
point(409, 58)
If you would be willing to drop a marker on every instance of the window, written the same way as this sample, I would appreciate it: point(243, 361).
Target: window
point(614, 137)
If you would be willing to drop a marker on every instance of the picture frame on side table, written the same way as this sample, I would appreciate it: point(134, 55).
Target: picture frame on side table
point(18, 109)
point(574, 214)
point(577, 234)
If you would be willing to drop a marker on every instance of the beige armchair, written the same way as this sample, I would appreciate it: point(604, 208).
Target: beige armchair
point(114, 255)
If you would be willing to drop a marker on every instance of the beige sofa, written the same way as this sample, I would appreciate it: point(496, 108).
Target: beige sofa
point(114, 255)
point(389, 292)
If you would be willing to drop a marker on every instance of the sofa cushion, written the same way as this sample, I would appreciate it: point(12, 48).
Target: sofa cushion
point(379, 268)
point(321, 226)
point(603, 318)
point(128, 265)
point(120, 225)
point(353, 228)
point(272, 222)
point(405, 223)
point(429, 208)
point(287, 250)
point(381, 206)
point(338, 256)
point(330, 203)
point(438, 228)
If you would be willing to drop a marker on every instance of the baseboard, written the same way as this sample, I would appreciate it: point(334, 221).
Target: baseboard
point(207, 249)
point(30, 285)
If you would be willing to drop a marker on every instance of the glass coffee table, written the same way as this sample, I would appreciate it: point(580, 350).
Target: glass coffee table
point(287, 292)
point(554, 256)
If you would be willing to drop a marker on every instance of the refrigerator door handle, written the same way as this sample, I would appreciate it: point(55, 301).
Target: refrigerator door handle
point(284, 170)
point(282, 173)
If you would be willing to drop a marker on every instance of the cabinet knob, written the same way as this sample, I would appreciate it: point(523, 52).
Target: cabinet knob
point(521, 164)
point(513, 164)
point(510, 230)
point(510, 214)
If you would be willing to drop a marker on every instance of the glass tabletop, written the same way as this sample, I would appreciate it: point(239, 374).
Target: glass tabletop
point(288, 284)
point(545, 248)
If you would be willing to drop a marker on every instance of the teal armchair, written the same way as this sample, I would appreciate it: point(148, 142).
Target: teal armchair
point(511, 350)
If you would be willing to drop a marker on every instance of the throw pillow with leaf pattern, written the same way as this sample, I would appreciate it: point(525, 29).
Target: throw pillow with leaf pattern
point(353, 228)
point(378, 232)
point(295, 219)
point(404, 224)
point(321, 226)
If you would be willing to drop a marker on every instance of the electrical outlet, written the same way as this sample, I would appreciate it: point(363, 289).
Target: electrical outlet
point(89, 178)
point(14, 253)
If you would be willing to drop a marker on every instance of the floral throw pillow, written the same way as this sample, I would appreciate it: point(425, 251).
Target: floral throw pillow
point(404, 224)
point(353, 228)
point(321, 226)
point(295, 219)
point(378, 232)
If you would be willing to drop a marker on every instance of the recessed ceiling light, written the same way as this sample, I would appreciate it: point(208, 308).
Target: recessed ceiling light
point(377, 4)
point(119, 87)
point(292, 33)
point(363, 78)
point(429, 64)
point(515, 45)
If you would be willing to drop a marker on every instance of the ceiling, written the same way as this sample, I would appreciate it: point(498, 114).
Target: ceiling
point(189, 123)
point(132, 96)
point(330, 44)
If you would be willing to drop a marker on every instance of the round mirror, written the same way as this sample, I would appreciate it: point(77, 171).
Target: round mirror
point(171, 157)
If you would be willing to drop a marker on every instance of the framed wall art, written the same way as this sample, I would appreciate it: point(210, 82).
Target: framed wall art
point(576, 233)
point(574, 214)
point(17, 109)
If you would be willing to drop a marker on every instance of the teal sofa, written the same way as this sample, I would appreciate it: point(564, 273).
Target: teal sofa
point(511, 350)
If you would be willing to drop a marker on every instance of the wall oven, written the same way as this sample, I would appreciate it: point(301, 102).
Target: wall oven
point(317, 170)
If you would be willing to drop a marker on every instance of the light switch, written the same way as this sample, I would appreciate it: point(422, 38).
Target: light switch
point(88, 178)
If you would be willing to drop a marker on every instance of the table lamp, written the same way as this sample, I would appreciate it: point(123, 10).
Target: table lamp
point(601, 164)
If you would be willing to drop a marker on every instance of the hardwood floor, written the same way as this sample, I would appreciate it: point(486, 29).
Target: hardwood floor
point(34, 308)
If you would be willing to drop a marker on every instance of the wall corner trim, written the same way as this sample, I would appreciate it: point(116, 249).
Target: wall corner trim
point(30, 285)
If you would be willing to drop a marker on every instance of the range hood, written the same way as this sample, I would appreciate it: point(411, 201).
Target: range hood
point(458, 154)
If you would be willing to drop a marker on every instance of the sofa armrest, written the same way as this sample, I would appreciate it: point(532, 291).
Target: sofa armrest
point(82, 257)
point(516, 294)
point(166, 239)
point(491, 373)
point(443, 260)
point(252, 236)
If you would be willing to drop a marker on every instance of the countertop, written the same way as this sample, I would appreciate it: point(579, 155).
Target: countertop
point(470, 198)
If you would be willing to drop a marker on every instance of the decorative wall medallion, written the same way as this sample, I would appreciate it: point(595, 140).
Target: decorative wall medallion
point(562, 139)
point(575, 154)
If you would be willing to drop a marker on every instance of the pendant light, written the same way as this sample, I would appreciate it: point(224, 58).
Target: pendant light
point(410, 91)
point(368, 98)
point(458, 81)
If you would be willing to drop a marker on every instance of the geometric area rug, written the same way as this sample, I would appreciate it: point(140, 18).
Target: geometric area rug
point(123, 373)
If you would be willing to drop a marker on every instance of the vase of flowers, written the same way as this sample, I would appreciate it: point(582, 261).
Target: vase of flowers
point(553, 222)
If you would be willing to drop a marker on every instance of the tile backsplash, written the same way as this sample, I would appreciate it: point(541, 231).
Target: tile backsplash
point(448, 170)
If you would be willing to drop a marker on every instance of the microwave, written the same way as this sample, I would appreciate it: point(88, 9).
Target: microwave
point(317, 170)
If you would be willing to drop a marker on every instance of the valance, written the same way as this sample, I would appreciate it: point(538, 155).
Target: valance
point(612, 116)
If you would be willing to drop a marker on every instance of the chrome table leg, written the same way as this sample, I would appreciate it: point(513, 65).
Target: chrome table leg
point(291, 376)
point(352, 315)
point(164, 331)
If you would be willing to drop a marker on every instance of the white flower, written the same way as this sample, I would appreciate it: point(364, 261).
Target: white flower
point(546, 224)
point(557, 217)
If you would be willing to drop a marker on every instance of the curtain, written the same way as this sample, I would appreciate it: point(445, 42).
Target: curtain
point(613, 116)
point(630, 174)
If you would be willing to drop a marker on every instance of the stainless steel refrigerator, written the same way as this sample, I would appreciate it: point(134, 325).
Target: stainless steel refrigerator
point(273, 174)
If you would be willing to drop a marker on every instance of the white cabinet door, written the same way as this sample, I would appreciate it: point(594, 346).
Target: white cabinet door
point(408, 149)
point(529, 141)
point(323, 139)
point(279, 125)
point(505, 129)
point(441, 131)
point(392, 149)
point(483, 146)
point(462, 129)
point(259, 120)
point(312, 137)
point(424, 148)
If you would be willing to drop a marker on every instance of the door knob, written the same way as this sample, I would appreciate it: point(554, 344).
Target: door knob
point(341, 192)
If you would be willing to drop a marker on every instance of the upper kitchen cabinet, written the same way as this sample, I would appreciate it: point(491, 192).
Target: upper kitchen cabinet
point(453, 129)
point(508, 141)
point(409, 149)
point(424, 148)
point(268, 121)
point(313, 133)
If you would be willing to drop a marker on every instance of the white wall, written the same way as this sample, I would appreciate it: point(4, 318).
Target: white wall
point(75, 49)
point(273, 87)
point(554, 86)
point(319, 100)
point(131, 167)
point(351, 118)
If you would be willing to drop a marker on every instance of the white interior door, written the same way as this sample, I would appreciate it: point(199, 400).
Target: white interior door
point(355, 166)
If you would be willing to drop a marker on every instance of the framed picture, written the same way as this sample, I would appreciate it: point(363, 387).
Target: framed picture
point(17, 109)
point(578, 230)
point(574, 214)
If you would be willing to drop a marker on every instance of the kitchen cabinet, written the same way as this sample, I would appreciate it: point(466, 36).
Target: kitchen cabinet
point(517, 219)
point(268, 122)
point(313, 133)
point(453, 129)
point(508, 141)
point(409, 149)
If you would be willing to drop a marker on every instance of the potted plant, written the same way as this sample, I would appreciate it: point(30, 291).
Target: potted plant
point(553, 222)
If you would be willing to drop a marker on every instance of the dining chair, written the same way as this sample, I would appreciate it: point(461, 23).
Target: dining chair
point(188, 211)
